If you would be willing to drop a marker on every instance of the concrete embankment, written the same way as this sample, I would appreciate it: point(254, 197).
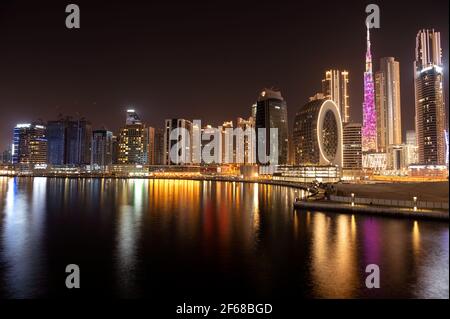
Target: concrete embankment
point(373, 210)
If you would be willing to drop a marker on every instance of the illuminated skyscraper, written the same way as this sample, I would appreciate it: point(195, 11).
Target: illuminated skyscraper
point(30, 144)
point(133, 141)
point(387, 104)
point(351, 146)
point(429, 95)
point(317, 135)
point(271, 112)
point(369, 130)
point(335, 87)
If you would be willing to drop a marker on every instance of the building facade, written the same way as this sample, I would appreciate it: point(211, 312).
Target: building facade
point(115, 149)
point(335, 87)
point(352, 146)
point(69, 141)
point(411, 138)
point(56, 136)
point(78, 137)
point(318, 134)
point(271, 112)
point(412, 152)
point(102, 149)
point(246, 145)
point(159, 146)
point(133, 141)
point(388, 104)
point(429, 98)
point(29, 144)
point(151, 152)
point(182, 138)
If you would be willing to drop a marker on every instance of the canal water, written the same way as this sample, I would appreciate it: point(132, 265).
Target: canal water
point(207, 240)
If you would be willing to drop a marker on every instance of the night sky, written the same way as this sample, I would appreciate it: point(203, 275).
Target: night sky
point(203, 60)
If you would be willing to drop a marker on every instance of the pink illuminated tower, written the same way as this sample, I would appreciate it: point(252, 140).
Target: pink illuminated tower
point(369, 130)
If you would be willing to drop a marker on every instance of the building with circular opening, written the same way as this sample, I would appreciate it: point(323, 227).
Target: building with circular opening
point(317, 136)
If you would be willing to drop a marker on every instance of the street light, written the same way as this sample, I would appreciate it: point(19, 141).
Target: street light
point(415, 203)
point(353, 199)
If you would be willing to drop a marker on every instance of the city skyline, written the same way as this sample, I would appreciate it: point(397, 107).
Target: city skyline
point(154, 113)
point(187, 152)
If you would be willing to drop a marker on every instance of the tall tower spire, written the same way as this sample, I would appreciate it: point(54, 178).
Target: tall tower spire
point(369, 131)
point(368, 53)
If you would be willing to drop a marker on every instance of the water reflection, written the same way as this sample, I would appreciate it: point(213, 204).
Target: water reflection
point(165, 237)
point(128, 232)
point(22, 236)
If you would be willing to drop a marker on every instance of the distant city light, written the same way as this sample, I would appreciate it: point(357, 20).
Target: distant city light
point(23, 125)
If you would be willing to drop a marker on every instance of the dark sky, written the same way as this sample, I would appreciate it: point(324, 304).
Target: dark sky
point(195, 59)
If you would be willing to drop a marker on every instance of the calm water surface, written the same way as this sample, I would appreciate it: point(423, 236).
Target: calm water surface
point(167, 238)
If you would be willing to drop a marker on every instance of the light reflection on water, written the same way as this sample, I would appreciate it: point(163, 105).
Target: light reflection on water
point(144, 237)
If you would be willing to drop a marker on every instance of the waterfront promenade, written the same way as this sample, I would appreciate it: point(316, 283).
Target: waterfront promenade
point(347, 208)
point(386, 199)
point(427, 191)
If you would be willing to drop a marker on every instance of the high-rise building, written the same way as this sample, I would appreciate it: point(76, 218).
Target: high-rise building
point(369, 130)
point(159, 146)
point(429, 98)
point(196, 146)
point(318, 134)
point(78, 139)
point(102, 149)
point(69, 141)
point(227, 142)
point(29, 144)
point(115, 149)
point(133, 144)
point(335, 87)
point(381, 110)
point(352, 147)
point(183, 136)
point(210, 134)
point(247, 143)
point(151, 146)
point(271, 112)
point(387, 104)
point(56, 136)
